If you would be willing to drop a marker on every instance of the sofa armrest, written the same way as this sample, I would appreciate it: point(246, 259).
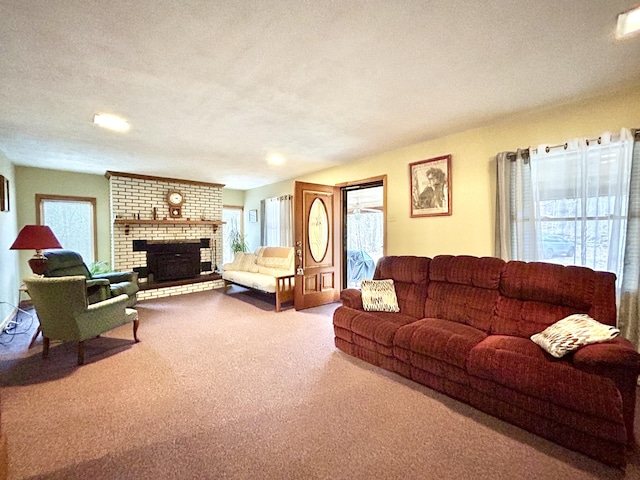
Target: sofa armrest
point(352, 298)
point(98, 290)
point(284, 290)
point(616, 353)
point(618, 360)
point(97, 282)
point(117, 277)
point(102, 316)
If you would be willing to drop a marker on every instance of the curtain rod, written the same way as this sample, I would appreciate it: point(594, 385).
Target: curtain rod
point(565, 145)
point(588, 141)
point(525, 151)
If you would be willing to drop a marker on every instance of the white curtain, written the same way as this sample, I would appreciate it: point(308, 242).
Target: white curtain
point(277, 221)
point(581, 193)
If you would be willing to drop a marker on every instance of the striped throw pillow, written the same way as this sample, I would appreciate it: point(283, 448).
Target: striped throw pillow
point(379, 296)
point(573, 332)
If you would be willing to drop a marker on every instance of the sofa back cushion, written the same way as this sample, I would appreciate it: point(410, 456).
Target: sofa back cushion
point(410, 277)
point(534, 295)
point(280, 258)
point(464, 289)
point(243, 262)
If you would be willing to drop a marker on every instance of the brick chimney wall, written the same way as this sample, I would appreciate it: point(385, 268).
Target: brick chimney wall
point(135, 196)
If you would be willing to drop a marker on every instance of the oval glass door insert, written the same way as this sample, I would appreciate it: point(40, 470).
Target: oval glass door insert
point(318, 230)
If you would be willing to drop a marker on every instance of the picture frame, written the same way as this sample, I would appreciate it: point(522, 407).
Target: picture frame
point(253, 216)
point(4, 194)
point(430, 182)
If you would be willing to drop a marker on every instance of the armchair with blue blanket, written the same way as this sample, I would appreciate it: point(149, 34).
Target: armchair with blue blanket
point(63, 263)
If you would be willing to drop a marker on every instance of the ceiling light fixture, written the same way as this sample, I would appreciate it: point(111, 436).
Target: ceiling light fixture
point(275, 159)
point(628, 22)
point(111, 122)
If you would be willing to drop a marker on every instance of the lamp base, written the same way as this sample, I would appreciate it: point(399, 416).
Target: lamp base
point(38, 264)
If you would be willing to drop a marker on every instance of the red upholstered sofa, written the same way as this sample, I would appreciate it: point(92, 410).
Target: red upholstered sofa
point(463, 329)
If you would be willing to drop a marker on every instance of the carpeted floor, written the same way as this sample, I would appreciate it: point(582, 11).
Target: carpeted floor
point(222, 387)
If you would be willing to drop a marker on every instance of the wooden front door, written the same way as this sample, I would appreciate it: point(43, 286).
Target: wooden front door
point(317, 244)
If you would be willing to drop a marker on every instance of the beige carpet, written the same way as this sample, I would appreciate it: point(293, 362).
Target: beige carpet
point(223, 387)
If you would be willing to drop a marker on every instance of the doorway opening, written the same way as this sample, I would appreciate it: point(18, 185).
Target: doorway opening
point(364, 229)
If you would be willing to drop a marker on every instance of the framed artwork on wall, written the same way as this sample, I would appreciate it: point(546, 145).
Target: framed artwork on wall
point(431, 187)
point(4, 194)
point(253, 216)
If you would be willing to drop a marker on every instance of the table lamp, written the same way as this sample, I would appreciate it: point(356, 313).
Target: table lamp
point(36, 237)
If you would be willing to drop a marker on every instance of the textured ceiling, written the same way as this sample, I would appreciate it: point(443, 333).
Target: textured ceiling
point(211, 88)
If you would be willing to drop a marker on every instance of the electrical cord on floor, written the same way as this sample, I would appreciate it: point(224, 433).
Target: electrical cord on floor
point(15, 326)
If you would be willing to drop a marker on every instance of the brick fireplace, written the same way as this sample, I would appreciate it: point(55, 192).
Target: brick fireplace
point(141, 222)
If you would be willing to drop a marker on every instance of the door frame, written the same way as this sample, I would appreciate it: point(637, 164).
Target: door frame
point(343, 218)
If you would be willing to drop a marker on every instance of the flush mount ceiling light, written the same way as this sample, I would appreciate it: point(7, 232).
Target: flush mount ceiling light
point(275, 159)
point(111, 122)
point(628, 22)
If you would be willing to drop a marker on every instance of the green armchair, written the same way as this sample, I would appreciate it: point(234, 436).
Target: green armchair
point(100, 287)
point(65, 313)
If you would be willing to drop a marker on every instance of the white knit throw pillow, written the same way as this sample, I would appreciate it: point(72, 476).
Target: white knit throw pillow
point(573, 332)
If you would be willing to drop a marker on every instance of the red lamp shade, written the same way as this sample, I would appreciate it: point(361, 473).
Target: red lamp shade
point(36, 237)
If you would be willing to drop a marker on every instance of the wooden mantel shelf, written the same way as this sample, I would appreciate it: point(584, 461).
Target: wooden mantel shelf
point(133, 221)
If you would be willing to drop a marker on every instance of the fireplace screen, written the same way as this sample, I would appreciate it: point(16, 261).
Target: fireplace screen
point(173, 260)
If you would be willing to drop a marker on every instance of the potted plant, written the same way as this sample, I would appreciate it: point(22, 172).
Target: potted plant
point(96, 268)
point(238, 241)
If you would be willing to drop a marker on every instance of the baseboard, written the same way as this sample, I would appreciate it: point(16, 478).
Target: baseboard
point(9, 317)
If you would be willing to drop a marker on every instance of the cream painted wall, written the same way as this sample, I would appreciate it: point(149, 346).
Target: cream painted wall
point(30, 181)
point(470, 230)
point(9, 271)
point(232, 198)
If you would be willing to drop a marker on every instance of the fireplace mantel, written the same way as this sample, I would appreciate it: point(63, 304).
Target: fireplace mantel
point(133, 221)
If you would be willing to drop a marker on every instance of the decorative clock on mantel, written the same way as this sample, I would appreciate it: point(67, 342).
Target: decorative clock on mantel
point(175, 199)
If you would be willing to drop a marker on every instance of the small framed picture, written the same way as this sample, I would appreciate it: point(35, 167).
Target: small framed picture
point(253, 216)
point(431, 187)
point(4, 194)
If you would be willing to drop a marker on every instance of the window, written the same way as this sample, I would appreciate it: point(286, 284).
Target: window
point(277, 221)
point(72, 220)
point(232, 216)
point(582, 205)
point(566, 204)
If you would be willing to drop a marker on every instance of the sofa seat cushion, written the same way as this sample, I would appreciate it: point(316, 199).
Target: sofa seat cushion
point(258, 281)
point(379, 327)
point(441, 339)
point(521, 365)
